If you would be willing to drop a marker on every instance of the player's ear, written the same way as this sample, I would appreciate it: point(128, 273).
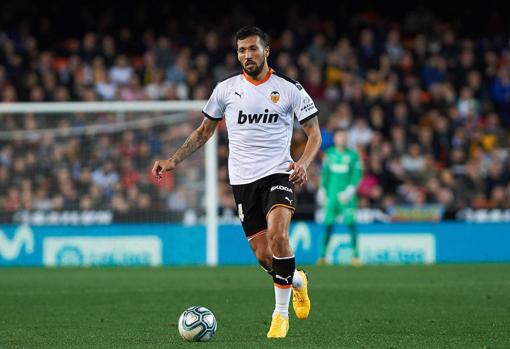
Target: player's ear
point(266, 51)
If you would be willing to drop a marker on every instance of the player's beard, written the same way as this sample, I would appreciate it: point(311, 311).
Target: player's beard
point(256, 71)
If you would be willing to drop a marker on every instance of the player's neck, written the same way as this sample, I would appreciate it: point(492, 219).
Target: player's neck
point(263, 73)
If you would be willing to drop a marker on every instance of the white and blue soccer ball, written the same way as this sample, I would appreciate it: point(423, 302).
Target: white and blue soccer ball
point(197, 324)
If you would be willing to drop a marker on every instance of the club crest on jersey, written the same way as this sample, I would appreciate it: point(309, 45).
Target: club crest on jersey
point(275, 96)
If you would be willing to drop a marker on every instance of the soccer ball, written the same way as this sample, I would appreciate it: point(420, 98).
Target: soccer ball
point(197, 324)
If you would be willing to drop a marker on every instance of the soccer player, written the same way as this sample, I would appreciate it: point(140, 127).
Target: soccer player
point(259, 106)
point(341, 174)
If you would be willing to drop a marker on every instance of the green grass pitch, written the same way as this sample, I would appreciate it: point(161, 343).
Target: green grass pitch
point(444, 306)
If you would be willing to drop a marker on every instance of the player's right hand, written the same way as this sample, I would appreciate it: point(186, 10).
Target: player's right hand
point(346, 195)
point(162, 166)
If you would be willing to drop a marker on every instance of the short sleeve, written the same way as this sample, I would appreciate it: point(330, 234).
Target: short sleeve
point(304, 107)
point(215, 107)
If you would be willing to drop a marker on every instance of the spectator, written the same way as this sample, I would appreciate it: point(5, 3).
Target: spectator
point(105, 177)
point(121, 72)
point(360, 133)
point(157, 89)
point(413, 162)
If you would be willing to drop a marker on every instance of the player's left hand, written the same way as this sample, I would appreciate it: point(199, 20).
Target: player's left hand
point(298, 175)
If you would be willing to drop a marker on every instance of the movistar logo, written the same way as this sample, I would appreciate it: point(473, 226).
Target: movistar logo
point(257, 118)
point(11, 248)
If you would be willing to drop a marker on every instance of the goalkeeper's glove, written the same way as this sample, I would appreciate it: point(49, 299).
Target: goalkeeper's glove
point(347, 194)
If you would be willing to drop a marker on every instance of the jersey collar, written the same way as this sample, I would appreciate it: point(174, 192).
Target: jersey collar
point(258, 82)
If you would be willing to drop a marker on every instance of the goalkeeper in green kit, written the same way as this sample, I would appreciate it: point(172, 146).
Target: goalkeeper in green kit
point(341, 174)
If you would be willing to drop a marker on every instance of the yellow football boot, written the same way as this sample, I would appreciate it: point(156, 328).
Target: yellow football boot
point(300, 300)
point(356, 262)
point(279, 326)
point(322, 261)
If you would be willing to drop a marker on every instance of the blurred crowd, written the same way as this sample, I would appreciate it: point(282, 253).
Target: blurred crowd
point(427, 107)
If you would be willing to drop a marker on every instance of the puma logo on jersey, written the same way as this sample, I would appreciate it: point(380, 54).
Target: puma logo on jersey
point(290, 201)
point(257, 118)
point(284, 279)
point(239, 94)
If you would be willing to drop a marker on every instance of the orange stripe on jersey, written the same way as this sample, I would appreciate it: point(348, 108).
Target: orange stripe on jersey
point(256, 234)
point(283, 286)
point(258, 82)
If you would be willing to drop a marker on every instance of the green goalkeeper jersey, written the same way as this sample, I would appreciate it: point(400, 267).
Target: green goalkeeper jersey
point(340, 170)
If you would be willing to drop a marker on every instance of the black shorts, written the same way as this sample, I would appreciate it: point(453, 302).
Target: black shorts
point(255, 200)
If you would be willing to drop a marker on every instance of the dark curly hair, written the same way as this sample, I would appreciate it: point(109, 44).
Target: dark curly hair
point(247, 31)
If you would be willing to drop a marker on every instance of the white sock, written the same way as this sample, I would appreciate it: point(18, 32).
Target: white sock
point(282, 300)
point(297, 280)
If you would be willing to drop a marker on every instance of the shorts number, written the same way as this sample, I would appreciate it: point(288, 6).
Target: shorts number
point(240, 211)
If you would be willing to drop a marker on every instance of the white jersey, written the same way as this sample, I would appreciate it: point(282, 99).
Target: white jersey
point(259, 116)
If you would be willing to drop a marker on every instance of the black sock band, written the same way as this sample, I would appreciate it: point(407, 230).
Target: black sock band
point(283, 269)
point(269, 271)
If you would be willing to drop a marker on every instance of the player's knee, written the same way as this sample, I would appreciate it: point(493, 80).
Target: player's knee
point(349, 221)
point(279, 243)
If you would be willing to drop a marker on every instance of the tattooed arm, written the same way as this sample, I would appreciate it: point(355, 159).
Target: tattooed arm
point(313, 144)
point(197, 139)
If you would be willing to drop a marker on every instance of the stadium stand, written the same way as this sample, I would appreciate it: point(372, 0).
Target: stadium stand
point(426, 103)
